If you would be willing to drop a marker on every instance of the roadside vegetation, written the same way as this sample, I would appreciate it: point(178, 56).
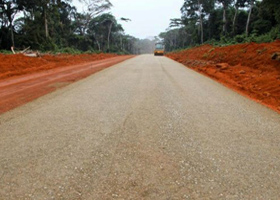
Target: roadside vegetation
point(223, 22)
point(57, 26)
point(235, 42)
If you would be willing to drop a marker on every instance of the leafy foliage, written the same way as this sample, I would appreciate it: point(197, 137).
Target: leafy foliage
point(56, 25)
point(223, 22)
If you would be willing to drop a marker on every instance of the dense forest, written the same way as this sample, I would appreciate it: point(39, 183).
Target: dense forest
point(57, 26)
point(222, 22)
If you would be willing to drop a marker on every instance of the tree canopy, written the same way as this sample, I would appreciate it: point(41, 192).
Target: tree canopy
point(56, 25)
point(223, 22)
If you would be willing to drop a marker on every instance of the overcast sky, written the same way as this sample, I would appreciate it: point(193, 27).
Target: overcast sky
point(149, 17)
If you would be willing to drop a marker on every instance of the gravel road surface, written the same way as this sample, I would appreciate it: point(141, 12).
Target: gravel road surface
point(147, 128)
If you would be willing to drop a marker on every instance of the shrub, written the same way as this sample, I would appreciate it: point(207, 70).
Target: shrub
point(6, 52)
point(69, 50)
point(240, 38)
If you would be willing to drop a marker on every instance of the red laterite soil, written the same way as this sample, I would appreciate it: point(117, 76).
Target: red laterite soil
point(246, 68)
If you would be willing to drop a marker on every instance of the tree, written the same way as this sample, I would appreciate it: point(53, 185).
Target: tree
point(192, 9)
point(96, 7)
point(56, 25)
point(237, 5)
point(104, 29)
point(118, 27)
point(225, 4)
point(196, 11)
point(93, 9)
point(273, 6)
point(211, 21)
point(9, 10)
point(251, 2)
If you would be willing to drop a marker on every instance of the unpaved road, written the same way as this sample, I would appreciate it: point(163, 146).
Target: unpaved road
point(148, 128)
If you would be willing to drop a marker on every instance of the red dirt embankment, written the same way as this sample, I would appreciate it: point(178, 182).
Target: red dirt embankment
point(14, 65)
point(246, 68)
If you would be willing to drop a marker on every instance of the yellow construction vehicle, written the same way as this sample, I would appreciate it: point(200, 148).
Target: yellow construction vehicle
point(159, 49)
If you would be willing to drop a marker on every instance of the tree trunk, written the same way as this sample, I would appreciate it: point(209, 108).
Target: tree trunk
point(202, 31)
point(224, 19)
point(249, 18)
point(46, 23)
point(175, 41)
point(10, 16)
point(98, 44)
point(121, 41)
point(234, 19)
point(201, 23)
point(12, 34)
point(109, 34)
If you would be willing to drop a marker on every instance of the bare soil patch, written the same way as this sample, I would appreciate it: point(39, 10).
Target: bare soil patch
point(14, 65)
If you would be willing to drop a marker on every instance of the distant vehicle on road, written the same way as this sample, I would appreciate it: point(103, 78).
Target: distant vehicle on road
point(159, 49)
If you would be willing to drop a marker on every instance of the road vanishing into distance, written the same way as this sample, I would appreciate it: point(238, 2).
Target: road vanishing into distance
point(146, 128)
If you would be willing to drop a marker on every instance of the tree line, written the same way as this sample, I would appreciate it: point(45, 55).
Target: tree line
point(223, 22)
point(56, 25)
